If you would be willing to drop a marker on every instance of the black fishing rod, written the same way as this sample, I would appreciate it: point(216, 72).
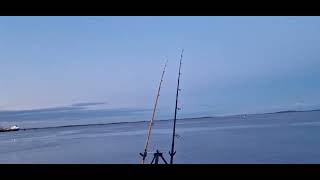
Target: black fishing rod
point(173, 152)
point(144, 154)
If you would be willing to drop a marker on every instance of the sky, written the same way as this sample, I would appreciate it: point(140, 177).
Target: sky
point(230, 65)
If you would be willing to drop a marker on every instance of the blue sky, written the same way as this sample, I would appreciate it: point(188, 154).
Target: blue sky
point(231, 65)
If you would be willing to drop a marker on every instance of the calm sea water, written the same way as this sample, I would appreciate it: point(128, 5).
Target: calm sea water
point(261, 138)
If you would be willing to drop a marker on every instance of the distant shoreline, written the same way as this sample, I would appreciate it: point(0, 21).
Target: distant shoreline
point(128, 122)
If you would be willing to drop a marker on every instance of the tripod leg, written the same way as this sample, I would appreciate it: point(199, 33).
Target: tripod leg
point(153, 159)
point(163, 159)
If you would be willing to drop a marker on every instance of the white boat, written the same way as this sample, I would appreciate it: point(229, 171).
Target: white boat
point(12, 128)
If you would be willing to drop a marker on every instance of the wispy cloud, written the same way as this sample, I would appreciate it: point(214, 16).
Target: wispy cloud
point(300, 104)
point(74, 111)
point(88, 104)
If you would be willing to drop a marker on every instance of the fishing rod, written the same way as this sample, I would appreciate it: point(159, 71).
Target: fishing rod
point(144, 155)
point(173, 152)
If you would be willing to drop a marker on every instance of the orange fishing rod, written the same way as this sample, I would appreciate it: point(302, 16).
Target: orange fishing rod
point(144, 155)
